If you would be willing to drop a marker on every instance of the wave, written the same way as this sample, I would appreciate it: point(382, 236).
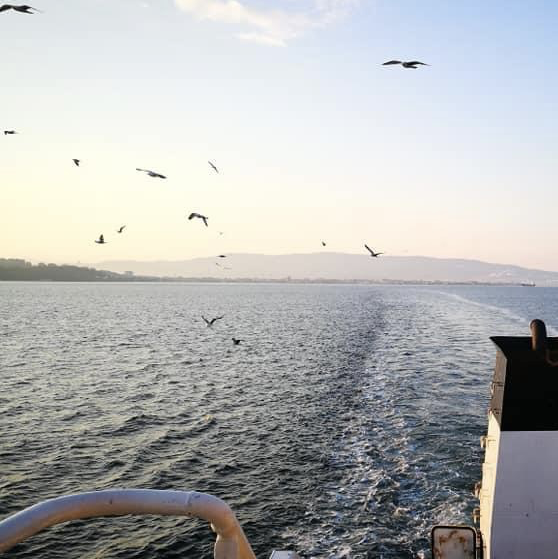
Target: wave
point(505, 311)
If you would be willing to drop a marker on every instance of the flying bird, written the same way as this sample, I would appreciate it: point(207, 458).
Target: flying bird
point(202, 217)
point(212, 321)
point(323, 244)
point(223, 267)
point(24, 9)
point(9, 132)
point(221, 256)
point(152, 173)
point(76, 162)
point(372, 253)
point(411, 64)
point(121, 229)
point(213, 167)
point(101, 240)
point(236, 341)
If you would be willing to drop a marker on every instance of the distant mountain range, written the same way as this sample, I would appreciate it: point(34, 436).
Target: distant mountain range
point(337, 266)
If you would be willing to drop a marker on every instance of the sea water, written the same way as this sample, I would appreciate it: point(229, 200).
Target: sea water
point(345, 424)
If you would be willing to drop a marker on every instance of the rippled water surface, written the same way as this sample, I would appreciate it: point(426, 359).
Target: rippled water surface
point(345, 424)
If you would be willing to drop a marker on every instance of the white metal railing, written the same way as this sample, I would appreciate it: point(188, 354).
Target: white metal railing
point(231, 542)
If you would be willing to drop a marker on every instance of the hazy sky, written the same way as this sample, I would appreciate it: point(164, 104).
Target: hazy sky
point(314, 138)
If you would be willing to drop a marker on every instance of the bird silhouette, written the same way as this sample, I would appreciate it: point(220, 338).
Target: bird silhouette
point(411, 64)
point(221, 256)
point(213, 167)
point(76, 162)
point(152, 173)
point(372, 253)
point(200, 216)
point(212, 321)
point(236, 341)
point(9, 132)
point(101, 240)
point(323, 244)
point(24, 9)
point(121, 229)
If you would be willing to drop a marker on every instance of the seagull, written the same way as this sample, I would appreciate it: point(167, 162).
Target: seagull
point(323, 244)
point(101, 240)
point(24, 9)
point(202, 217)
point(221, 256)
point(212, 321)
point(412, 64)
point(9, 132)
point(372, 253)
point(76, 162)
point(235, 341)
point(213, 167)
point(151, 173)
point(121, 229)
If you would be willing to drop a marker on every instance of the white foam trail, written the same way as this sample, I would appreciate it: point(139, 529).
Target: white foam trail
point(502, 310)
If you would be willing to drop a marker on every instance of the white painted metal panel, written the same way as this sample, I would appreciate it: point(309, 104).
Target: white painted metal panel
point(525, 500)
point(489, 472)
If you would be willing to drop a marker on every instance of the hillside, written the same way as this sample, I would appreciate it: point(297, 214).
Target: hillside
point(338, 266)
point(15, 269)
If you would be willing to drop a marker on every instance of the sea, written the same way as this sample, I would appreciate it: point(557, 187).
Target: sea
point(344, 425)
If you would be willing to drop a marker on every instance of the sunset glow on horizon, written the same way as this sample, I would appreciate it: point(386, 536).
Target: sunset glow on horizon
point(313, 138)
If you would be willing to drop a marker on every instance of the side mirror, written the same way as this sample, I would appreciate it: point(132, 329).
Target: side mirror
point(454, 542)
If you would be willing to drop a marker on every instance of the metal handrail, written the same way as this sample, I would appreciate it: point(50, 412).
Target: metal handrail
point(231, 542)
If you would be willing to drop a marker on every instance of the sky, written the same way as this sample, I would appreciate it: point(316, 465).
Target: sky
point(314, 138)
